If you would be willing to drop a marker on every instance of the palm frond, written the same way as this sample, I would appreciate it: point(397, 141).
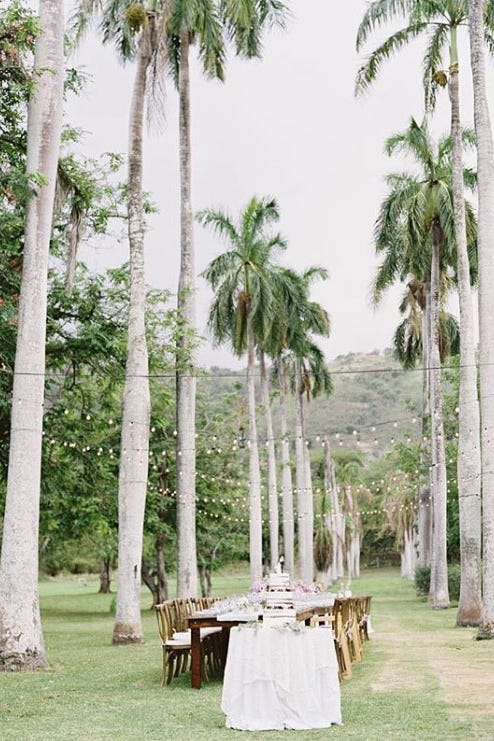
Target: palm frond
point(84, 13)
point(209, 33)
point(225, 264)
point(379, 13)
point(436, 42)
point(221, 222)
point(415, 141)
point(369, 71)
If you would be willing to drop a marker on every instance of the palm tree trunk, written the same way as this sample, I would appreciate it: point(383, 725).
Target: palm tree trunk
point(485, 176)
point(186, 382)
point(272, 485)
point(134, 451)
point(333, 499)
point(21, 638)
point(287, 496)
point(304, 543)
point(309, 495)
point(425, 504)
point(469, 465)
point(338, 523)
point(255, 510)
point(438, 594)
point(351, 530)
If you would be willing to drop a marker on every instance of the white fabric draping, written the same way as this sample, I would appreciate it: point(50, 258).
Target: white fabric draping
point(278, 678)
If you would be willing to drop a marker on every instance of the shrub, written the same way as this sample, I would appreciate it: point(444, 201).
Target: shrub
point(454, 582)
point(423, 581)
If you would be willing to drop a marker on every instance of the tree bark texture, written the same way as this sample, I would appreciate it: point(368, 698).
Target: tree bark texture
point(255, 510)
point(468, 464)
point(425, 502)
point(305, 553)
point(438, 595)
point(271, 454)
point(309, 497)
point(21, 638)
point(186, 381)
point(134, 451)
point(485, 179)
point(105, 576)
point(287, 484)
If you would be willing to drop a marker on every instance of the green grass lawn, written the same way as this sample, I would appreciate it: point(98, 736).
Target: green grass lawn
point(421, 677)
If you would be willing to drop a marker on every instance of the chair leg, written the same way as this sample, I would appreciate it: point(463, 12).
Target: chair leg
point(163, 668)
point(170, 666)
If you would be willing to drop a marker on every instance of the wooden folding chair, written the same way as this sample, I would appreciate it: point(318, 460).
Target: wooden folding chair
point(341, 641)
point(175, 649)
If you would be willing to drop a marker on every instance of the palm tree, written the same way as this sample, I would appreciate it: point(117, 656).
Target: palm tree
point(415, 230)
point(204, 24)
point(398, 505)
point(286, 472)
point(271, 455)
point(300, 319)
point(190, 22)
point(290, 293)
point(348, 473)
point(138, 32)
point(336, 522)
point(485, 169)
point(21, 638)
point(240, 314)
point(441, 20)
point(310, 378)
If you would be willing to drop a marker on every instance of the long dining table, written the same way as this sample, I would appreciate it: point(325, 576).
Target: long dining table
point(207, 619)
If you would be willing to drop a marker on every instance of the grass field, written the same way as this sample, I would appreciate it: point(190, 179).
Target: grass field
point(421, 677)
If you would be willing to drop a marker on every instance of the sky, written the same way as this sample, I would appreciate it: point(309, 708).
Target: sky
point(287, 126)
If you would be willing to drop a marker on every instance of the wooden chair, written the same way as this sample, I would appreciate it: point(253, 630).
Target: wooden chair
point(341, 641)
point(175, 650)
point(351, 627)
point(211, 649)
point(326, 620)
point(364, 616)
point(176, 640)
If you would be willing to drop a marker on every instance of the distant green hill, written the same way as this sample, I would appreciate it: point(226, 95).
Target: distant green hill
point(374, 400)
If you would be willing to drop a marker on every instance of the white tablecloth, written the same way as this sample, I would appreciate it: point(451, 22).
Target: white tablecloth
point(277, 678)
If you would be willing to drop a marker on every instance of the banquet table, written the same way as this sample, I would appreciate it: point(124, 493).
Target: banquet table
point(281, 677)
point(211, 619)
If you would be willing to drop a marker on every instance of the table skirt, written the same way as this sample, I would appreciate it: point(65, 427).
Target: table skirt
point(276, 678)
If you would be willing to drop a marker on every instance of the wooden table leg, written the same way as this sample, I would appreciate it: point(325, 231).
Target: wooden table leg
point(195, 650)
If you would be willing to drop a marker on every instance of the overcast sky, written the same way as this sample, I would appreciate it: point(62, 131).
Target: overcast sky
point(287, 126)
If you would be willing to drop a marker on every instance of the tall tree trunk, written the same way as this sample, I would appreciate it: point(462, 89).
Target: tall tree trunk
point(161, 575)
point(21, 638)
point(154, 576)
point(468, 465)
point(337, 518)
point(485, 177)
point(332, 514)
point(105, 576)
point(304, 543)
point(255, 510)
point(438, 594)
point(425, 503)
point(350, 506)
point(134, 450)
point(309, 496)
point(272, 484)
point(286, 472)
point(186, 381)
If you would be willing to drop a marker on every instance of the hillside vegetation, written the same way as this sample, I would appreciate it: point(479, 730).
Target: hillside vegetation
point(373, 402)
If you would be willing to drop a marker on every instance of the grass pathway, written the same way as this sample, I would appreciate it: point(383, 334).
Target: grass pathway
point(421, 678)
